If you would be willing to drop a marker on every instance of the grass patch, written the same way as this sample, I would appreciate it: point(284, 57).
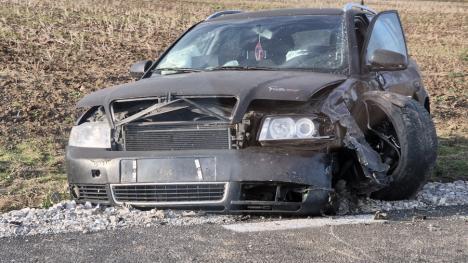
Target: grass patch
point(31, 174)
point(31, 158)
point(41, 192)
point(464, 55)
point(452, 160)
point(456, 75)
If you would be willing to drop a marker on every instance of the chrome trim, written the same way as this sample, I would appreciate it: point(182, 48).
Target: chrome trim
point(226, 188)
point(313, 139)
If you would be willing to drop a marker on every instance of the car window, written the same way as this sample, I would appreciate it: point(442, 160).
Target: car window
point(182, 55)
point(386, 34)
point(314, 42)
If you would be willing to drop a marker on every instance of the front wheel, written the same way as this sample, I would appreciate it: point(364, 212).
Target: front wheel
point(401, 130)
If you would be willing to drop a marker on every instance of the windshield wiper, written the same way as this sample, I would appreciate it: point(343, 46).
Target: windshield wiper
point(241, 68)
point(179, 70)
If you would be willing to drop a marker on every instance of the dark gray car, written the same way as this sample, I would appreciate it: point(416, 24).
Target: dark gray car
point(261, 112)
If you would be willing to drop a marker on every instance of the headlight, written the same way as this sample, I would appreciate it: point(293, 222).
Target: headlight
point(286, 128)
point(282, 128)
point(90, 135)
point(305, 128)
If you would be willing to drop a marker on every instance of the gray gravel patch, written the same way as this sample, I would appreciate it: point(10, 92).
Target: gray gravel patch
point(71, 217)
point(432, 195)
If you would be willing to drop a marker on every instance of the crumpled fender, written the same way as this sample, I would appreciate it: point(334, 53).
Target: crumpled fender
point(395, 99)
point(337, 107)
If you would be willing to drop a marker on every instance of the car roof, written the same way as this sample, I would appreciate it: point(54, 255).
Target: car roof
point(280, 12)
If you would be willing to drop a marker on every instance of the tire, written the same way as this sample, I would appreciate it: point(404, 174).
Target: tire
point(413, 134)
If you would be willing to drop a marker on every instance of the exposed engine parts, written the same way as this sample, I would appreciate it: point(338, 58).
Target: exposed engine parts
point(270, 124)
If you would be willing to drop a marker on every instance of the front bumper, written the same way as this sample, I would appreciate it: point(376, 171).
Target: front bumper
point(215, 180)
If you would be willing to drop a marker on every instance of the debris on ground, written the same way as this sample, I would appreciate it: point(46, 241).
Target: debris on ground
point(68, 216)
point(71, 217)
point(419, 218)
point(380, 216)
point(432, 194)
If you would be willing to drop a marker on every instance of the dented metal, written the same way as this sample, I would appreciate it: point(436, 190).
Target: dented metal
point(336, 107)
point(218, 116)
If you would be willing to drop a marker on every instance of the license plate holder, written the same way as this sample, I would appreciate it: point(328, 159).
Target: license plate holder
point(166, 170)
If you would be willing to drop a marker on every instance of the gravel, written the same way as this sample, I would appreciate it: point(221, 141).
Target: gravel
point(432, 195)
point(71, 217)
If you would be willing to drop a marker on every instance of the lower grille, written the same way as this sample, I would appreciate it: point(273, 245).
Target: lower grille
point(169, 193)
point(90, 192)
point(159, 137)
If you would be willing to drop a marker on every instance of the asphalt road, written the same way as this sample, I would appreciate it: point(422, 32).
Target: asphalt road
point(423, 236)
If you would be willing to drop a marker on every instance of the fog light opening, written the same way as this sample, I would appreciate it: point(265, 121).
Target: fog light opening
point(277, 192)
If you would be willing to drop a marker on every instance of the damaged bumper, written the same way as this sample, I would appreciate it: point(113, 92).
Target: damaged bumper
point(248, 180)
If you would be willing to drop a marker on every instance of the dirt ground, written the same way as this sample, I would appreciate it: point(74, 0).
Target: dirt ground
point(52, 53)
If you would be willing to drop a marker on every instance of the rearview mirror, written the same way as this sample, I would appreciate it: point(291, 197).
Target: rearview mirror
point(387, 60)
point(138, 69)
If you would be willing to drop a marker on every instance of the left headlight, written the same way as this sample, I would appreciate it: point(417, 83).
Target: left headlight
point(91, 135)
point(287, 128)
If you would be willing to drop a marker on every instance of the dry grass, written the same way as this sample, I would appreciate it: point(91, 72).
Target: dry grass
point(54, 52)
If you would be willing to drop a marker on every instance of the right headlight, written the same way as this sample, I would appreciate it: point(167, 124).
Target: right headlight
point(288, 128)
point(91, 135)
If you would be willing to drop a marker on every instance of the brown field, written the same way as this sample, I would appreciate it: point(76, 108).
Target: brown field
point(52, 52)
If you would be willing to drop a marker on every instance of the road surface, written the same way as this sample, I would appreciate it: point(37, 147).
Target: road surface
point(440, 235)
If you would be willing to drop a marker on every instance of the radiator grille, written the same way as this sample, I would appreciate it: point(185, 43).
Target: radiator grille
point(158, 137)
point(168, 193)
point(92, 192)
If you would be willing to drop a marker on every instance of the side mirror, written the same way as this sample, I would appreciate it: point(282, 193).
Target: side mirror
point(138, 69)
point(382, 59)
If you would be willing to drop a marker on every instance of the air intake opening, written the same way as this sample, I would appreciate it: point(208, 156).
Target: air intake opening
point(169, 193)
point(278, 192)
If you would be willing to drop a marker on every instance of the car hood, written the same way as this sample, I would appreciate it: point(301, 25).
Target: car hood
point(245, 85)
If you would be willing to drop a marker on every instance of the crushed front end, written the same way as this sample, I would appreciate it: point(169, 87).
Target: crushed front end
point(192, 152)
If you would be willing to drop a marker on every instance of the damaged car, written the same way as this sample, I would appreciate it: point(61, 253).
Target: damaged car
point(261, 112)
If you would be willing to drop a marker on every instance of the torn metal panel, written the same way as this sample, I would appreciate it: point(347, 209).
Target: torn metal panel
point(205, 109)
point(247, 86)
point(156, 108)
point(337, 109)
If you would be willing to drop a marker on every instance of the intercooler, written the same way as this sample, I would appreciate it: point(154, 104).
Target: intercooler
point(154, 137)
point(169, 193)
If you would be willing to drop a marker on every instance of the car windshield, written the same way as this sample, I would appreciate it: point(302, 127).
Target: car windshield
point(312, 42)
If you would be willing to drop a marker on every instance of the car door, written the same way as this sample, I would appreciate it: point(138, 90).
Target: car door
point(386, 32)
